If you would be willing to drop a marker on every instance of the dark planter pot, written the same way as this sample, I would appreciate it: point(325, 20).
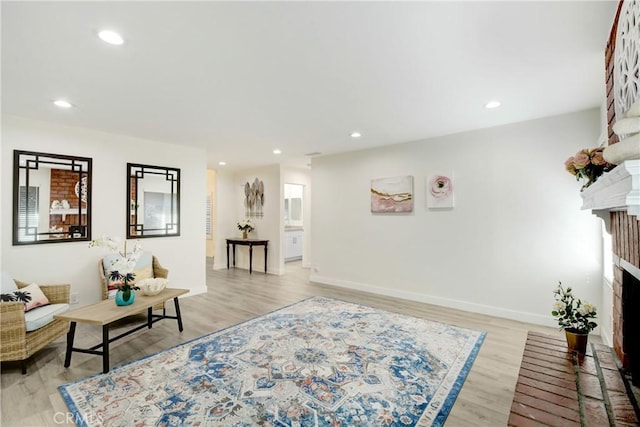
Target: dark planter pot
point(576, 341)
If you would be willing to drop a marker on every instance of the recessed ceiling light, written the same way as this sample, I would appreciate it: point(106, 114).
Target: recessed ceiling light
point(492, 104)
point(62, 103)
point(355, 135)
point(222, 163)
point(111, 37)
point(276, 151)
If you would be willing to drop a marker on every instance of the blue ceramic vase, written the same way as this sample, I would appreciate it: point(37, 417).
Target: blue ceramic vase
point(120, 297)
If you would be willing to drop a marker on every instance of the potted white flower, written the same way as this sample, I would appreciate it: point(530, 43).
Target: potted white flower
point(121, 269)
point(575, 317)
point(246, 226)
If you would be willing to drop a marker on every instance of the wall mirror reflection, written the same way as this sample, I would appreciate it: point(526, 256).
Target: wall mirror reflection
point(293, 194)
point(154, 201)
point(51, 198)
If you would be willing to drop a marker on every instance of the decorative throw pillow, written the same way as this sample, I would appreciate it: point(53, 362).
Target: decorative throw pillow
point(31, 296)
point(111, 284)
point(143, 273)
point(7, 297)
point(143, 270)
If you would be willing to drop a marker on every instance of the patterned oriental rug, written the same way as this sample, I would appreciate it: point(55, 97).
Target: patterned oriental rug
point(320, 362)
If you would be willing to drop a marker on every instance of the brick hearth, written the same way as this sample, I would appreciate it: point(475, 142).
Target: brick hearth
point(558, 388)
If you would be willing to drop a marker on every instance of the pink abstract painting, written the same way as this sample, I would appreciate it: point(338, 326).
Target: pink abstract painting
point(390, 195)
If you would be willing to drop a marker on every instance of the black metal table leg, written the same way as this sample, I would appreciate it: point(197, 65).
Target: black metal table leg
point(227, 255)
point(105, 349)
point(178, 315)
point(70, 335)
point(265, 257)
point(149, 317)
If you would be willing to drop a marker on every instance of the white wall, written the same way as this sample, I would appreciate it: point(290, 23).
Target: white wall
point(211, 190)
point(516, 229)
point(74, 262)
point(303, 177)
point(3, 219)
point(226, 216)
point(231, 210)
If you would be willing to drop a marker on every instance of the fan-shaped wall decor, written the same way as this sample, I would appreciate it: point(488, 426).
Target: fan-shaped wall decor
point(254, 198)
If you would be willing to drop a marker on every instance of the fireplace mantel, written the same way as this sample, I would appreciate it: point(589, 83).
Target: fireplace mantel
point(616, 190)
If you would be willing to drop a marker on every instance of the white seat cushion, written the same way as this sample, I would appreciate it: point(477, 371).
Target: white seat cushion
point(41, 316)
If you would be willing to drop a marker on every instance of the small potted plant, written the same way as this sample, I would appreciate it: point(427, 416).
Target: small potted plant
point(121, 273)
point(246, 226)
point(575, 317)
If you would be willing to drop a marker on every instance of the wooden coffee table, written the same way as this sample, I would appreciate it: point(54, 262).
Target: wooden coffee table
point(106, 312)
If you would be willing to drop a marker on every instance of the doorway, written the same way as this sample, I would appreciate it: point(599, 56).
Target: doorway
point(293, 222)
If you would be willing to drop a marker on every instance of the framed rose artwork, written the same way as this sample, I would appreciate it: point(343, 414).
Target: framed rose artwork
point(440, 191)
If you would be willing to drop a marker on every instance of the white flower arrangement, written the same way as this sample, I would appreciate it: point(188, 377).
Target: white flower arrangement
point(572, 313)
point(246, 225)
point(122, 267)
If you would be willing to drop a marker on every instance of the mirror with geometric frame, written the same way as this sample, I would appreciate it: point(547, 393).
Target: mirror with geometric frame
point(153, 201)
point(51, 198)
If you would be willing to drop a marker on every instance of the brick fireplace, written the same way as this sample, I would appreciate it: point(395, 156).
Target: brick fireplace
point(626, 281)
point(617, 196)
point(628, 347)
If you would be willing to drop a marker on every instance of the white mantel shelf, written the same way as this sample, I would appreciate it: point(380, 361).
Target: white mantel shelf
point(616, 190)
point(65, 212)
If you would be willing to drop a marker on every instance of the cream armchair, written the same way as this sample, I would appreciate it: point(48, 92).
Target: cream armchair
point(16, 343)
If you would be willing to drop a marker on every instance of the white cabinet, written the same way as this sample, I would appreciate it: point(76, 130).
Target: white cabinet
point(293, 244)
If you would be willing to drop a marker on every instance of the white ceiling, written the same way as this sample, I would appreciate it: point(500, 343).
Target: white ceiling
point(243, 78)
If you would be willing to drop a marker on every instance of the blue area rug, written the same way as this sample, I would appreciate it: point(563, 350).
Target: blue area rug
point(320, 362)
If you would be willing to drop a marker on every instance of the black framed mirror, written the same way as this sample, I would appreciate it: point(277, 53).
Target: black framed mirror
point(51, 198)
point(153, 202)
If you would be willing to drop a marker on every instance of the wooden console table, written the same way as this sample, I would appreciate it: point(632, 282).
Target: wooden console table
point(251, 243)
point(106, 312)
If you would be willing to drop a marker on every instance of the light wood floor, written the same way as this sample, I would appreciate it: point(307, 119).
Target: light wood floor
point(234, 296)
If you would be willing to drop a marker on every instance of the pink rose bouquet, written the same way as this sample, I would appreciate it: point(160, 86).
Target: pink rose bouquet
point(587, 164)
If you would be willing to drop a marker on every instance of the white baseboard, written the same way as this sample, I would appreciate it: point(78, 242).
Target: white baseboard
point(217, 266)
point(520, 316)
point(606, 339)
point(196, 291)
point(270, 270)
